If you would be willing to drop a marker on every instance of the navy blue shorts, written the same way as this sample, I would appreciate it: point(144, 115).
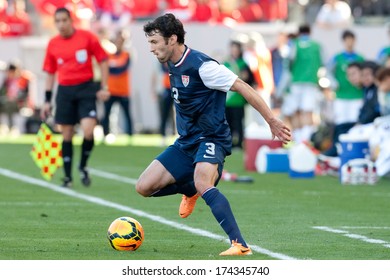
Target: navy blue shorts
point(182, 164)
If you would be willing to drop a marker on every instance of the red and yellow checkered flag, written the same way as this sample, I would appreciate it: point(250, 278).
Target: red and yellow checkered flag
point(46, 152)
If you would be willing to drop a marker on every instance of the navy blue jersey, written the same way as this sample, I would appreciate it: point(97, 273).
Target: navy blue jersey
point(200, 110)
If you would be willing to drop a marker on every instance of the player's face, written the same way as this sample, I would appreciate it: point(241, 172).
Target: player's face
point(64, 24)
point(160, 48)
point(354, 76)
point(367, 77)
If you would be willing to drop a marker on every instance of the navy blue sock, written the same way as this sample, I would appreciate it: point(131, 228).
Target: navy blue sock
point(221, 210)
point(187, 189)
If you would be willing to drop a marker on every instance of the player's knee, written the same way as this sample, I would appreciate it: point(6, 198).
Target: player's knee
point(142, 188)
point(202, 185)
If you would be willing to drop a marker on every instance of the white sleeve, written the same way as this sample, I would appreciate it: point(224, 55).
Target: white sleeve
point(216, 76)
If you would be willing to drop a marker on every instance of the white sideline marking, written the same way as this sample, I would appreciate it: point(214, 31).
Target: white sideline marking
point(386, 228)
point(112, 176)
point(355, 236)
point(106, 203)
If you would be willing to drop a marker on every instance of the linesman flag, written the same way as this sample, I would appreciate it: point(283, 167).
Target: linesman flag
point(46, 152)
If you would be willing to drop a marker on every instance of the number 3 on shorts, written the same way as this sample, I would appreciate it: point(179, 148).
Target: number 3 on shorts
point(210, 148)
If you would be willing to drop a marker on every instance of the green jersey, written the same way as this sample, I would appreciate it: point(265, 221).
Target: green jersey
point(384, 55)
point(339, 66)
point(306, 62)
point(234, 99)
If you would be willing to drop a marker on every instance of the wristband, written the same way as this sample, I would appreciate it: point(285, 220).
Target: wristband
point(48, 95)
point(104, 88)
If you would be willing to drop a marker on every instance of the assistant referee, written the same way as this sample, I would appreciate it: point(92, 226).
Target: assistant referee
point(69, 55)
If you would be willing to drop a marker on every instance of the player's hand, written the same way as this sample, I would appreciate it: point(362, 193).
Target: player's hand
point(103, 95)
point(280, 130)
point(45, 111)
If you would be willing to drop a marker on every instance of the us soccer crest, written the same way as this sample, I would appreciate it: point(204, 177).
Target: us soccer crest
point(185, 80)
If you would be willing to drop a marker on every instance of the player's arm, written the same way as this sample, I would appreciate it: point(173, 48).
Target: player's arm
point(218, 77)
point(49, 83)
point(278, 128)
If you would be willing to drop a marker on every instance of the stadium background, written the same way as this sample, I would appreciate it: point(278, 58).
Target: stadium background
point(314, 219)
point(370, 28)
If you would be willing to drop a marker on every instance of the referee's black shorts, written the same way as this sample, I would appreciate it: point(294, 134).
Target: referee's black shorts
point(75, 102)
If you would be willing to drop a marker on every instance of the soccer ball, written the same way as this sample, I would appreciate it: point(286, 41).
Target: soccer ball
point(125, 234)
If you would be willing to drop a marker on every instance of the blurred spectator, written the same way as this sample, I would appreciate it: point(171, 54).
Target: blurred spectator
point(235, 103)
point(305, 62)
point(162, 91)
point(118, 84)
point(14, 93)
point(179, 8)
point(370, 109)
point(383, 77)
point(349, 98)
point(142, 9)
point(248, 11)
point(114, 14)
point(384, 54)
point(274, 9)
point(258, 58)
point(205, 11)
point(334, 14)
point(82, 12)
point(14, 21)
point(279, 55)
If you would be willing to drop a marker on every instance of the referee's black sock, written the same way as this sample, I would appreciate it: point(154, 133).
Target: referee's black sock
point(187, 189)
point(86, 149)
point(67, 153)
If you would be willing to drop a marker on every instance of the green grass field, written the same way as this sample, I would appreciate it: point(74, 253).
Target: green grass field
point(281, 218)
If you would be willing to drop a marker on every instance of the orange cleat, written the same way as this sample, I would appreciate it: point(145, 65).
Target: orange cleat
point(187, 205)
point(237, 250)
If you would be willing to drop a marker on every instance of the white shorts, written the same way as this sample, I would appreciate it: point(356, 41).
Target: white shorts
point(302, 97)
point(346, 110)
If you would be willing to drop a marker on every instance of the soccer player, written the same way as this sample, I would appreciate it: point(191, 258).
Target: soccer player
point(193, 165)
point(69, 54)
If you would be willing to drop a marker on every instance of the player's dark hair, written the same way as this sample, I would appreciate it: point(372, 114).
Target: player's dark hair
point(11, 67)
point(63, 10)
point(304, 29)
point(239, 46)
point(372, 65)
point(383, 73)
point(167, 25)
point(347, 34)
point(355, 64)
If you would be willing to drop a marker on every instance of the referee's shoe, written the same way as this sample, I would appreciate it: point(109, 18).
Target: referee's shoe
point(84, 177)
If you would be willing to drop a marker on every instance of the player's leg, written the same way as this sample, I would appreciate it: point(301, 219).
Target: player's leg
point(87, 126)
point(206, 175)
point(309, 105)
point(154, 178)
point(66, 117)
point(67, 132)
point(86, 108)
point(170, 173)
point(107, 111)
point(126, 103)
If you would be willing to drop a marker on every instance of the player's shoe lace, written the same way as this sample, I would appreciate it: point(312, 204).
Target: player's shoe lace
point(67, 182)
point(237, 249)
point(187, 205)
point(84, 177)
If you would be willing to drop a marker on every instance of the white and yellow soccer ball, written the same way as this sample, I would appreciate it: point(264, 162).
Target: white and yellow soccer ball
point(125, 234)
